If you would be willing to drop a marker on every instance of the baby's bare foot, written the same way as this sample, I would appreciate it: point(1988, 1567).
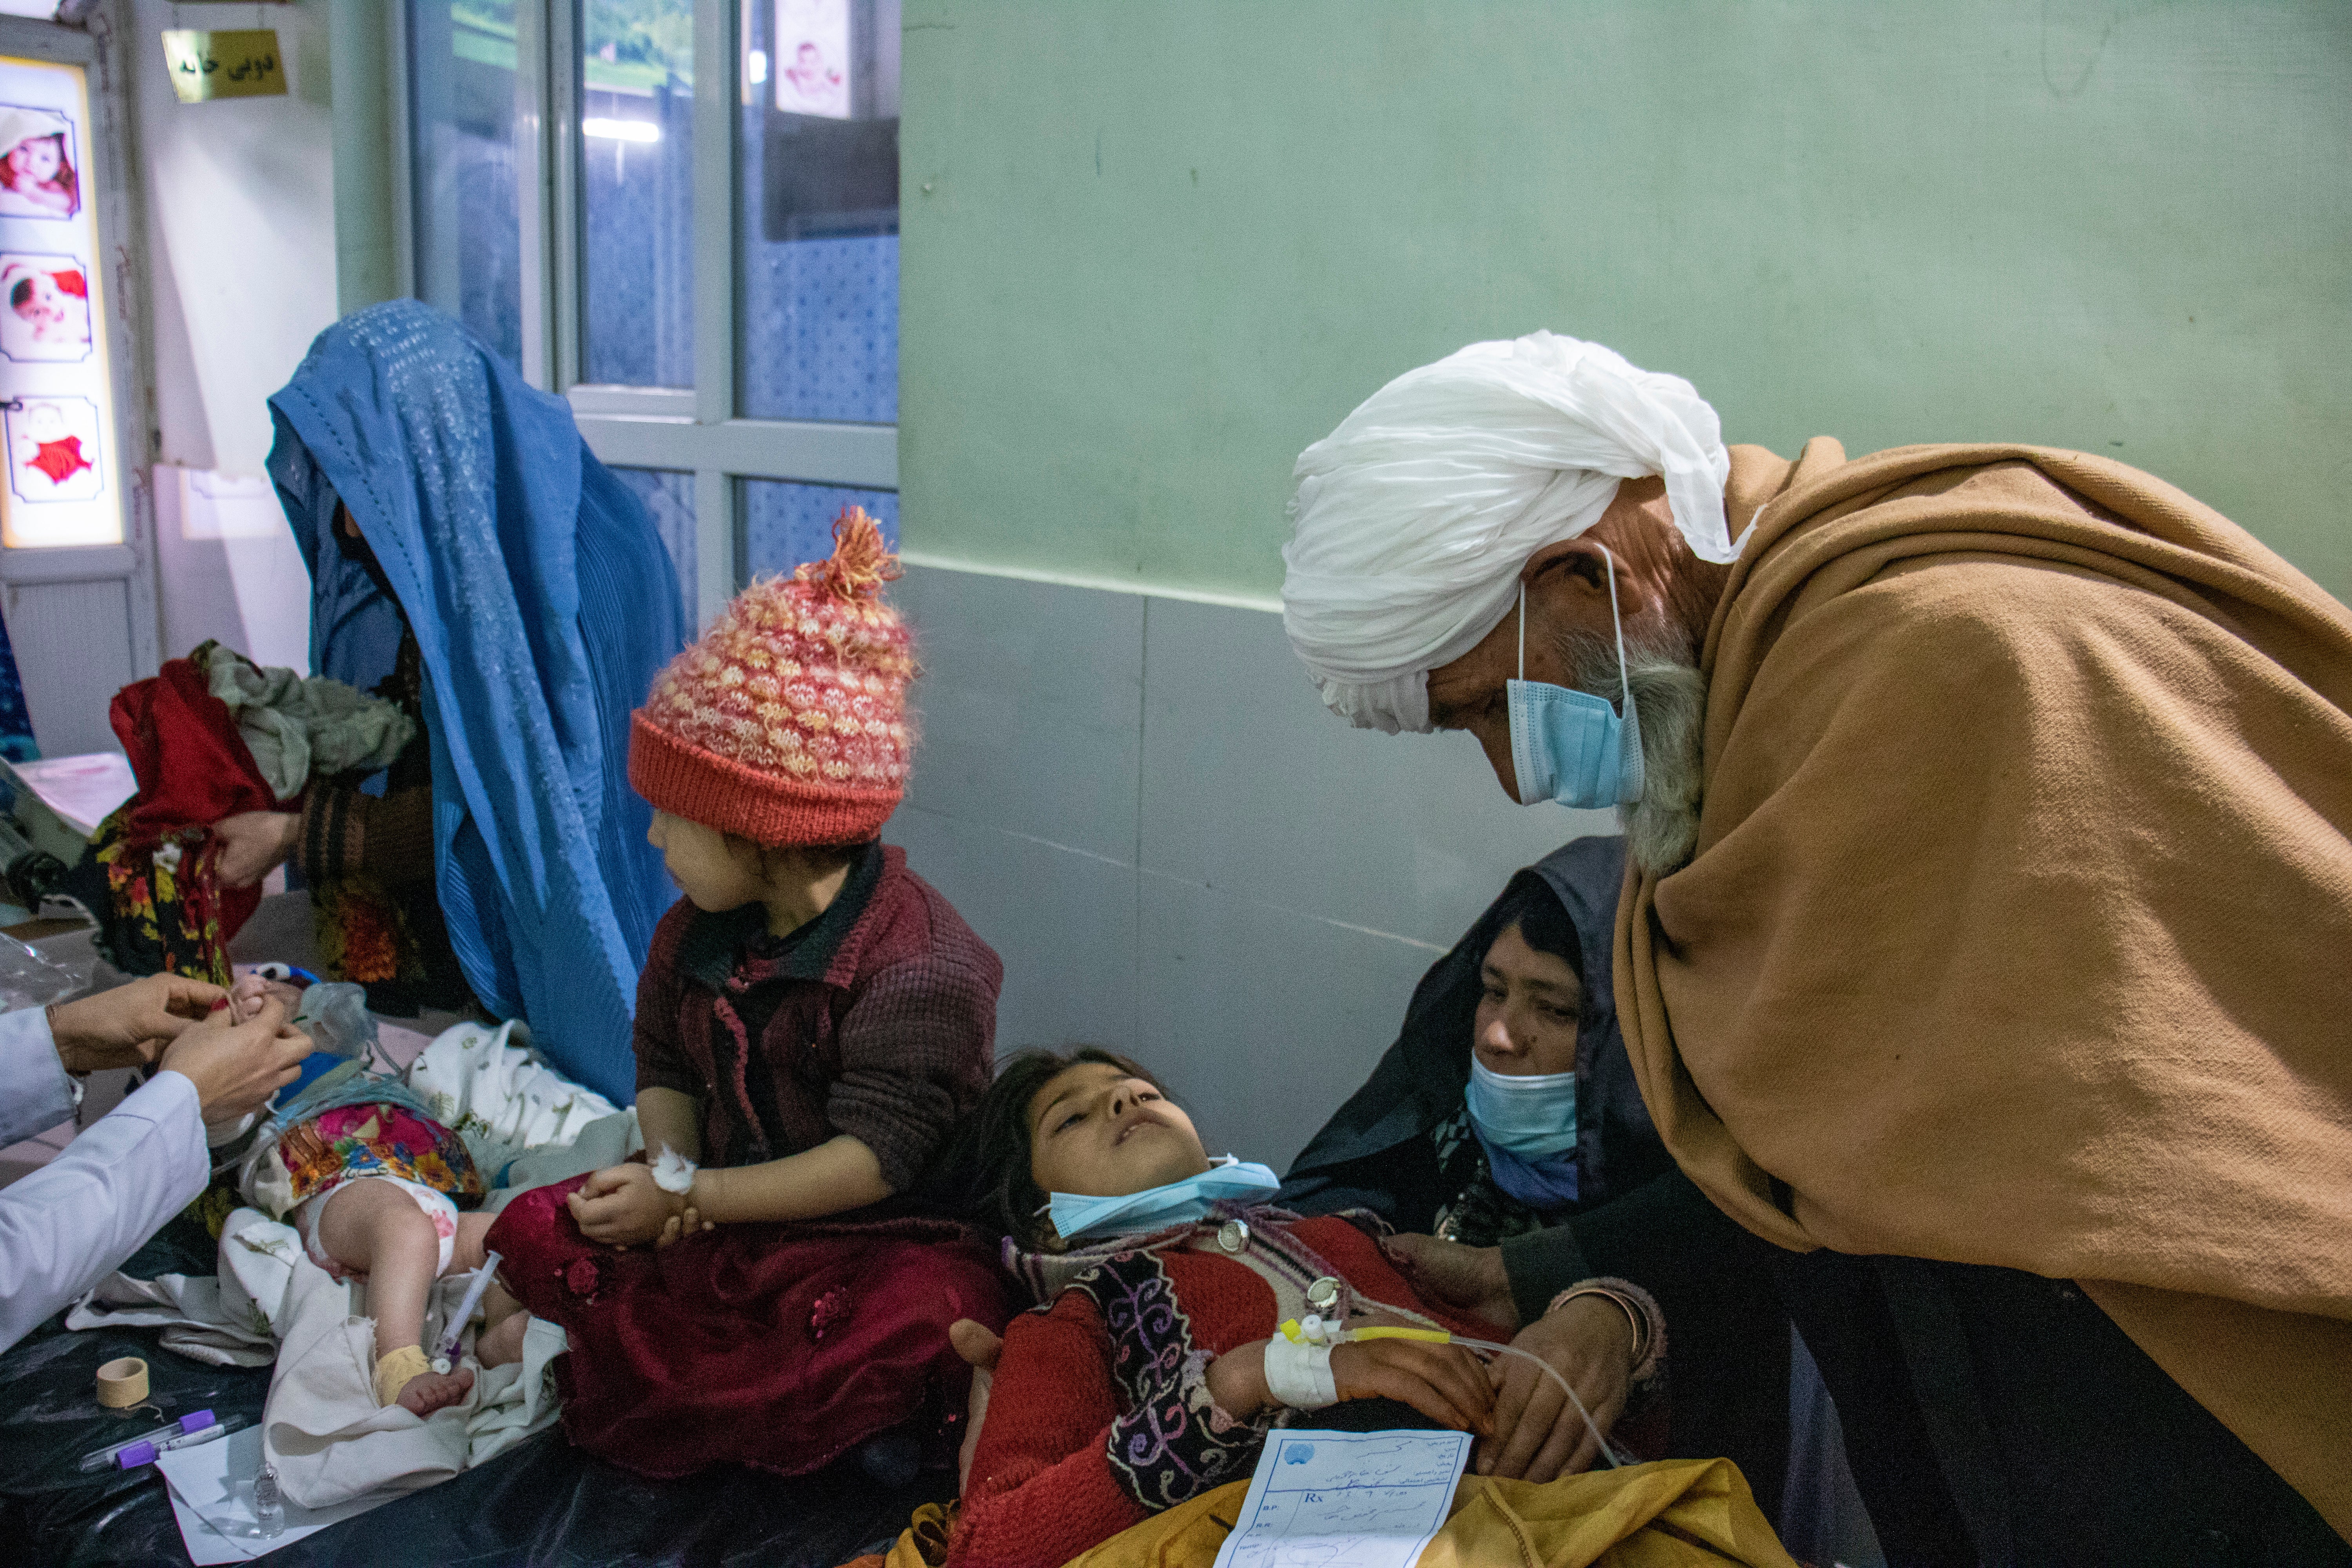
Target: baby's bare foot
point(502, 1342)
point(431, 1391)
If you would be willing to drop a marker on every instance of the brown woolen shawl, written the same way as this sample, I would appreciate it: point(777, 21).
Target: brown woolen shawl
point(2020, 928)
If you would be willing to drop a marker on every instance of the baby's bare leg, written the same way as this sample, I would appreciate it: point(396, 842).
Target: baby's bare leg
point(466, 1251)
point(503, 1319)
point(504, 1323)
point(373, 1228)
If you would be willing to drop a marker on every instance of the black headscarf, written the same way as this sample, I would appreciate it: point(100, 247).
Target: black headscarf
point(1375, 1151)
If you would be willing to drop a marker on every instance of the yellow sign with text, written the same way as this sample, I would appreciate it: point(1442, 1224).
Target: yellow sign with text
point(240, 64)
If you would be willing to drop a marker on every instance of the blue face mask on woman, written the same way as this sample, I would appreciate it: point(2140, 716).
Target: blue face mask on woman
point(1531, 1115)
point(1571, 746)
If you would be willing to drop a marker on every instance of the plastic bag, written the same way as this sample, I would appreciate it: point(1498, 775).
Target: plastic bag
point(28, 980)
point(334, 1014)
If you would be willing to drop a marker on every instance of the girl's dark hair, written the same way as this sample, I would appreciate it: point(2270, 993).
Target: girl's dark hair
point(1544, 925)
point(989, 1154)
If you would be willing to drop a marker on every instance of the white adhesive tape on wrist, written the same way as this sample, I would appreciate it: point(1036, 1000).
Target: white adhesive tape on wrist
point(1300, 1375)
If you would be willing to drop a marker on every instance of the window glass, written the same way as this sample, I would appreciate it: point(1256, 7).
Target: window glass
point(819, 221)
point(786, 524)
point(462, 111)
point(671, 497)
point(637, 192)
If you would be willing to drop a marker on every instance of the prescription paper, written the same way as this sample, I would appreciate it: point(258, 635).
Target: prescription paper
point(212, 1497)
point(1345, 1499)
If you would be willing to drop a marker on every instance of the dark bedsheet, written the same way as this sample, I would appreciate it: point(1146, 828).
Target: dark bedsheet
point(542, 1503)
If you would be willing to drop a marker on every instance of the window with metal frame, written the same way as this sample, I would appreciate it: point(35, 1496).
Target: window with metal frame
point(683, 215)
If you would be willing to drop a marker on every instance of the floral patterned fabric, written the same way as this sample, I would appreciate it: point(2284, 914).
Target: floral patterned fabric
point(159, 904)
point(1171, 1443)
point(362, 934)
point(148, 875)
point(386, 931)
point(372, 1139)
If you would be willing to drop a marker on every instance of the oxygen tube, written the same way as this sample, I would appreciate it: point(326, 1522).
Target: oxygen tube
point(1313, 1330)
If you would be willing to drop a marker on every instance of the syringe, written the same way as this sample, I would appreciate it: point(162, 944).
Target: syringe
point(464, 1313)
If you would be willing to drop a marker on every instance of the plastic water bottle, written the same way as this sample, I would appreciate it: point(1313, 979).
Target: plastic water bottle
point(269, 1508)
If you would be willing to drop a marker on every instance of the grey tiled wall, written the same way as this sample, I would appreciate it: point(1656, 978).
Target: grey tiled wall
point(1141, 803)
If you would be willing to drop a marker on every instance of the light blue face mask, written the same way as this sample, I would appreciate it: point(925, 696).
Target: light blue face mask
point(1571, 746)
point(1533, 1117)
point(1080, 1215)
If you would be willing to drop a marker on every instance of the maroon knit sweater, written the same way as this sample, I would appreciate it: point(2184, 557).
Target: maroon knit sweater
point(884, 1027)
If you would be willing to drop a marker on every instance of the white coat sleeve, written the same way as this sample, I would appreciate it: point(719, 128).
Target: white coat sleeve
point(77, 1219)
point(34, 1093)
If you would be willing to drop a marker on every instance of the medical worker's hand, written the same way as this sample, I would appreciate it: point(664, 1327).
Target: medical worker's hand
point(131, 1024)
point(620, 1205)
point(254, 843)
point(1538, 1434)
point(1470, 1277)
point(237, 1067)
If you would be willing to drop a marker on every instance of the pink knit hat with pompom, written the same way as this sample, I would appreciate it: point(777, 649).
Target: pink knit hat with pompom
point(787, 722)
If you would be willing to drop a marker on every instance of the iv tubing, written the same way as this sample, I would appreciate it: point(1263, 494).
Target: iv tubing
point(1607, 1453)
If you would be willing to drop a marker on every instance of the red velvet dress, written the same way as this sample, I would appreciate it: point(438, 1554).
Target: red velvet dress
point(1099, 1415)
point(784, 1346)
point(776, 1346)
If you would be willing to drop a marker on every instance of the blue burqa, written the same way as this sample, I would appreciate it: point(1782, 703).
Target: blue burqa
point(543, 603)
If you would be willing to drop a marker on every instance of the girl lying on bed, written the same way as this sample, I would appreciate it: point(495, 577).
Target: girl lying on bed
point(1153, 1370)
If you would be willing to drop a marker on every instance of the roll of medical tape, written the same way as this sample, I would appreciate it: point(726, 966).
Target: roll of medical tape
point(122, 1382)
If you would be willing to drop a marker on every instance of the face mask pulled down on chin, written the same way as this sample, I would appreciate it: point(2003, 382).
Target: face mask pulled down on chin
point(1077, 1215)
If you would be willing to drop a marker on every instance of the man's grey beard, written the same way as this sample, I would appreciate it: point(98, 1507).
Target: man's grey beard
point(1662, 828)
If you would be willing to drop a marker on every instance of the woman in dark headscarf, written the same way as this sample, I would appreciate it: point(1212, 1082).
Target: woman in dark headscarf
point(1504, 1125)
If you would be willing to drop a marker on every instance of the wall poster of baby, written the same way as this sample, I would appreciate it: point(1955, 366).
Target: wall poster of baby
point(57, 395)
point(37, 178)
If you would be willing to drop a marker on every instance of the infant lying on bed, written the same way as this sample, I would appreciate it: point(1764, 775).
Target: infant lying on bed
point(374, 1185)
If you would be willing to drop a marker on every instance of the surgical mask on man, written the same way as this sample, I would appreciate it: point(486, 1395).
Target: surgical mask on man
point(1077, 1215)
point(1533, 1115)
point(1571, 746)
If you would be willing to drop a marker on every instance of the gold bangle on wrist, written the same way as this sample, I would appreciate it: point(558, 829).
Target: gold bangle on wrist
point(1635, 1319)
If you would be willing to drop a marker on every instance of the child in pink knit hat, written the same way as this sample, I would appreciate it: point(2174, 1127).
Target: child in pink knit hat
point(811, 1021)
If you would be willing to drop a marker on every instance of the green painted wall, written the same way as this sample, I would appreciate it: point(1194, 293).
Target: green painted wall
point(1151, 250)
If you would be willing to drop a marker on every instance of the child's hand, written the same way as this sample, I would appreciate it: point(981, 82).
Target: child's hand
point(245, 997)
point(620, 1205)
point(681, 1225)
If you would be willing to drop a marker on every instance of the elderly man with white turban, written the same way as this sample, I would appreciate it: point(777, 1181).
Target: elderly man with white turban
point(1986, 942)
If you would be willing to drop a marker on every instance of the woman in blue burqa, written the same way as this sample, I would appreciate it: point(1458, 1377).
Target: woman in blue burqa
point(471, 560)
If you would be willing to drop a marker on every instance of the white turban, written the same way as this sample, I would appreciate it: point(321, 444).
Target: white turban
point(1413, 519)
